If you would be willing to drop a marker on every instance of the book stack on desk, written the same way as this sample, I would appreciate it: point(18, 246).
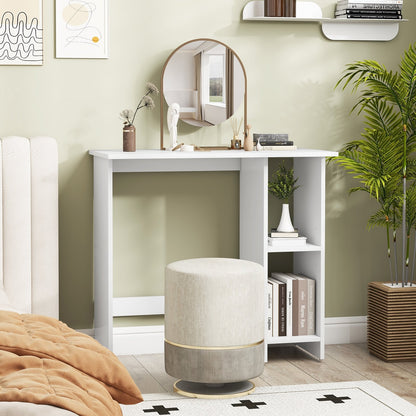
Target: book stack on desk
point(369, 9)
point(277, 141)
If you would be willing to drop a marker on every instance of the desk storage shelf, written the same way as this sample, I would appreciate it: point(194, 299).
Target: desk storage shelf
point(333, 29)
point(308, 215)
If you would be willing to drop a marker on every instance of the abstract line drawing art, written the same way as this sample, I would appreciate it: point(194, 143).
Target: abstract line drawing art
point(81, 28)
point(21, 37)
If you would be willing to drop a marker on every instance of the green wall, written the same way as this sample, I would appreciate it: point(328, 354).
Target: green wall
point(291, 69)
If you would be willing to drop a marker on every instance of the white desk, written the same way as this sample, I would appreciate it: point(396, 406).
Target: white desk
point(309, 216)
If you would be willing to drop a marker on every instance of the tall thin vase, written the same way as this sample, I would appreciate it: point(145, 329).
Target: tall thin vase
point(129, 138)
point(285, 224)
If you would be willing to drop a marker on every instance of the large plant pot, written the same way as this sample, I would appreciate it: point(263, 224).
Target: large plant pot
point(392, 321)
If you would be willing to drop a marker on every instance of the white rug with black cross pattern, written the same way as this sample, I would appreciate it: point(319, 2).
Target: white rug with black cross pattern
point(358, 398)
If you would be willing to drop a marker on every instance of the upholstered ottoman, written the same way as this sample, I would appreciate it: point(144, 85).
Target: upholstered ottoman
point(214, 325)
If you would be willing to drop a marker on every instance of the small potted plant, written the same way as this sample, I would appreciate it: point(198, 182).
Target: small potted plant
point(128, 117)
point(282, 185)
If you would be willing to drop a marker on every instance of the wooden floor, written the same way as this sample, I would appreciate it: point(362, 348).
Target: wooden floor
point(288, 365)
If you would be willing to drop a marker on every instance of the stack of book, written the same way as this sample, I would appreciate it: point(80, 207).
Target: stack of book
point(273, 141)
point(369, 9)
point(291, 240)
point(290, 305)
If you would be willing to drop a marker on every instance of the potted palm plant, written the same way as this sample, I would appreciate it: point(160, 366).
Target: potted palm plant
point(383, 162)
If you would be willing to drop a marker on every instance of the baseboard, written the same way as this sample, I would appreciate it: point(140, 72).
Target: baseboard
point(149, 339)
point(346, 330)
point(138, 340)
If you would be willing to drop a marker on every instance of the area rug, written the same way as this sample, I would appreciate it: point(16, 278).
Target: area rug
point(360, 398)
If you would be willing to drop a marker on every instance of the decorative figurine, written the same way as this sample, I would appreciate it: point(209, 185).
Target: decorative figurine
point(173, 118)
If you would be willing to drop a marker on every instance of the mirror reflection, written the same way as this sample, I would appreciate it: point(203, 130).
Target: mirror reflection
point(207, 80)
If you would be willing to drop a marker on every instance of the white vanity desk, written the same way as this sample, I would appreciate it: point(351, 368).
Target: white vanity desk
point(308, 216)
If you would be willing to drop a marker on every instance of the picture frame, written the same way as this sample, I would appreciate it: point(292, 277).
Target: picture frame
point(81, 29)
point(21, 25)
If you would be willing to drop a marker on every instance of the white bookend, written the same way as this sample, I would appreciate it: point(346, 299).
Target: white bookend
point(269, 310)
point(283, 277)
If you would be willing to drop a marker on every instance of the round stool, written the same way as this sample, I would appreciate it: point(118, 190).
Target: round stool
point(214, 325)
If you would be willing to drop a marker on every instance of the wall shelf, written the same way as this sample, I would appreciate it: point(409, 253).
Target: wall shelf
point(333, 29)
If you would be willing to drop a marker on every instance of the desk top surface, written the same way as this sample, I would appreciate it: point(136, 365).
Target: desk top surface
point(208, 154)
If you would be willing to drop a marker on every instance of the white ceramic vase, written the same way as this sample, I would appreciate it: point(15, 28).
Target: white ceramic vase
point(285, 224)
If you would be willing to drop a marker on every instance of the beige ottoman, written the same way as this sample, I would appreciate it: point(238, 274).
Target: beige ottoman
point(214, 325)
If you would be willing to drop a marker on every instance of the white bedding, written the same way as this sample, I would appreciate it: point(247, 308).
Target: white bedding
point(30, 409)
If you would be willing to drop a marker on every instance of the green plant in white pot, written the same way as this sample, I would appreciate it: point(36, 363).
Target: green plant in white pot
point(282, 185)
point(383, 159)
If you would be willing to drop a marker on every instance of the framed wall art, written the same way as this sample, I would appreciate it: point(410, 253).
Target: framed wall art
point(81, 28)
point(21, 32)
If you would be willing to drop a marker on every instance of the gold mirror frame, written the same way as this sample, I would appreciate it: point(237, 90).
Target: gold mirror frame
point(162, 96)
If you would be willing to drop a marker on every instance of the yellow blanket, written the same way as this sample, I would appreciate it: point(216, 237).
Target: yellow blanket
point(44, 361)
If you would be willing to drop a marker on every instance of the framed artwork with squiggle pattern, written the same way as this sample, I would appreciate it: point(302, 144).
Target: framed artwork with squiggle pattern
point(81, 28)
point(21, 32)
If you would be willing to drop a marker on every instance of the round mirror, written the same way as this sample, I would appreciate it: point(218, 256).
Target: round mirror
point(208, 81)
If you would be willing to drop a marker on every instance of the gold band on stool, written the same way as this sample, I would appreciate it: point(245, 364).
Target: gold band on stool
point(247, 388)
point(195, 347)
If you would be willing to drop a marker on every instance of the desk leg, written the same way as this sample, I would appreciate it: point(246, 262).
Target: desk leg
point(253, 210)
point(253, 217)
point(103, 251)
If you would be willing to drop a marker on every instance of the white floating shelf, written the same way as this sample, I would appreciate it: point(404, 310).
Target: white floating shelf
point(334, 29)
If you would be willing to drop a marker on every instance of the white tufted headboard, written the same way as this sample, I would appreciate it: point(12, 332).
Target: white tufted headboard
point(29, 276)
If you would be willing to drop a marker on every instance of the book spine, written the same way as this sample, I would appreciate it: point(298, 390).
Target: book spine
point(283, 277)
point(274, 142)
point(311, 306)
point(269, 323)
point(279, 147)
point(282, 309)
point(275, 311)
point(295, 307)
point(381, 2)
point(303, 309)
point(274, 8)
point(369, 7)
point(369, 16)
point(369, 11)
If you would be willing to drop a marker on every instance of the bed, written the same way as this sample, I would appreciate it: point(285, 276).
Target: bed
point(46, 368)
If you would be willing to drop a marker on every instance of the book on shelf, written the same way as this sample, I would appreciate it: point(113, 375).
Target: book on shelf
point(280, 234)
point(370, 2)
point(369, 16)
point(363, 9)
point(381, 14)
point(372, 6)
point(278, 148)
point(274, 143)
point(359, 12)
point(283, 277)
point(269, 310)
point(279, 308)
point(291, 242)
point(270, 138)
point(303, 305)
